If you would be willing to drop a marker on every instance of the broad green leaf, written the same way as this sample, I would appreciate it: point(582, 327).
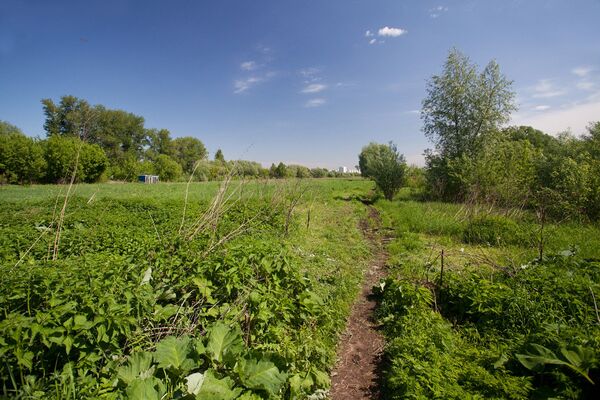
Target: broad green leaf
point(194, 382)
point(172, 352)
point(224, 343)
point(138, 367)
point(546, 356)
point(322, 379)
point(217, 389)
point(68, 342)
point(205, 288)
point(249, 396)
point(541, 357)
point(262, 375)
point(143, 390)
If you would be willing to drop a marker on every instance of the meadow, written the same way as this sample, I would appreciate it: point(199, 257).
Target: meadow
point(242, 298)
point(470, 310)
point(243, 290)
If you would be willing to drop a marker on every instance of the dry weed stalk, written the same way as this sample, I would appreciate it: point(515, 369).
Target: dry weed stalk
point(83, 132)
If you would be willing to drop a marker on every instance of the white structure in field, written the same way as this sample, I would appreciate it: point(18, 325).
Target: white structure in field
point(342, 170)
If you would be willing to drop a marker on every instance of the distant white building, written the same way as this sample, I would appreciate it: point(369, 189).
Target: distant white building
point(342, 170)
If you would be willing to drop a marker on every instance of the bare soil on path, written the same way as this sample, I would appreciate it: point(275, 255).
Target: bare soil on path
point(355, 375)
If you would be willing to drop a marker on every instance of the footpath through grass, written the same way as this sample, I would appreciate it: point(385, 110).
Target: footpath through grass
point(246, 302)
point(499, 323)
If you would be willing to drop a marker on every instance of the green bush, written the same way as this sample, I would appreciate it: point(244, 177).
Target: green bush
point(21, 159)
point(385, 166)
point(167, 168)
point(543, 315)
point(426, 358)
point(61, 154)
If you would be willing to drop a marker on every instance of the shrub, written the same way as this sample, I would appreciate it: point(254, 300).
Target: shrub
point(21, 159)
point(385, 166)
point(167, 168)
point(62, 152)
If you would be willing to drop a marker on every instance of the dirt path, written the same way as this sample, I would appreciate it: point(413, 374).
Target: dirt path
point(355, 375)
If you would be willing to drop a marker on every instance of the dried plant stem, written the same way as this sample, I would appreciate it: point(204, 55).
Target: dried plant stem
point(61, 218)
point(187, 190)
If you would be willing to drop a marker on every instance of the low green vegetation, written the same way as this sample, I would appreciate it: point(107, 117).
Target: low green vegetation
point(243, 299)
point(498, 322)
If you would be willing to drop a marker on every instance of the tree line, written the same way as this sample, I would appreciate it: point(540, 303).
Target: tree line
point(476, 158)
point(96, 143)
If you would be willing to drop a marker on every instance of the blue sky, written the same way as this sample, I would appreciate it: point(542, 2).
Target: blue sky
point(306, 82)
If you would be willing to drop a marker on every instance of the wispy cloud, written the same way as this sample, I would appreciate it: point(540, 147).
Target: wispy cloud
point(256, 71)
point(368, 33)
point(387, 31)
point(314, 88)
point(542, 107)
point(372, 41)
point(437, 11)
point(573, 117)
point(310, 74)
point(312, 103)
point(545, 88)
point(582, 71)
point(249, 65)
point(242, 85)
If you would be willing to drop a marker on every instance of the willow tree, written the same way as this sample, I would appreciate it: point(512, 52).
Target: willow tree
point(461, 112)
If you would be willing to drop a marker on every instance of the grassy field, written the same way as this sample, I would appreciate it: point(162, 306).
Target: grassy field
point(248, 300)
point(464, 334)
point(256, 315)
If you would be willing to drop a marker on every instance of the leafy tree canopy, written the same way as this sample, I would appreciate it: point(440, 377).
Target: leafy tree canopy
point(385, 165)
point(463, 105)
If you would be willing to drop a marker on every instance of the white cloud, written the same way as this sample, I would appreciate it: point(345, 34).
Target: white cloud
point(545, 89)
point(241, 85)
point(542, 107)
point(372, 41)
point(310, 74)
point(314, 88)
point(312, 103)
point(368, 33)
point(391, 32)
point(248, 65)
point(437, 11)
point(573, 117)
point(582, 72)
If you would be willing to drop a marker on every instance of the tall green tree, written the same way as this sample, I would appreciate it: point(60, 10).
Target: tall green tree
point(463, 106)
point(160, 142)
point(219, 156)
point(461, 114)
point(385, 165)
point(70, 117)
point(187, 151)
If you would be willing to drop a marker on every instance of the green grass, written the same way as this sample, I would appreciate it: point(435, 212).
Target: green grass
point(289, 294)
point(495, 302)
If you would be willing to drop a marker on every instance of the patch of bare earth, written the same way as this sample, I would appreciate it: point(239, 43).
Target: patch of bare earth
point(355, 375)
